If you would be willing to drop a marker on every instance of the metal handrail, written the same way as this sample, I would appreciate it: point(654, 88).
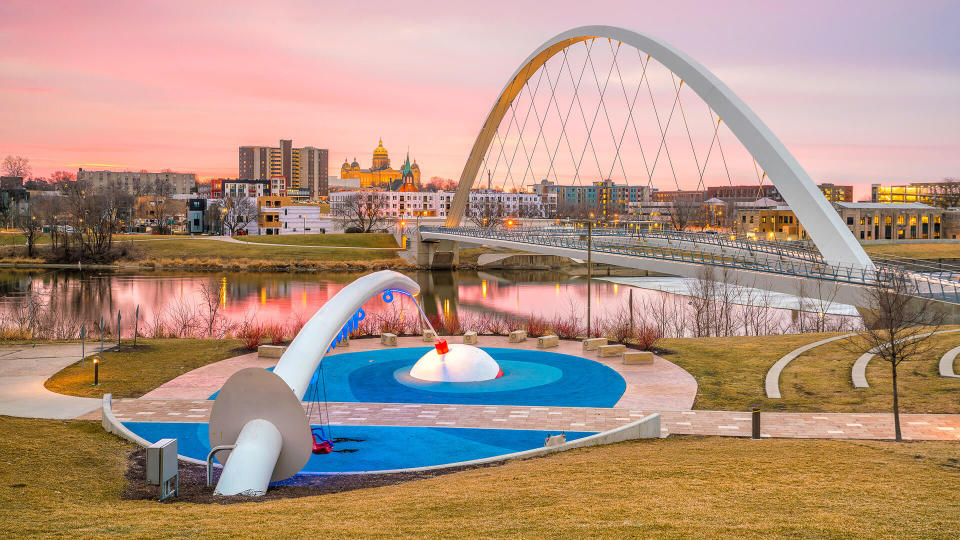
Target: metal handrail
point(213, 452)
point(784, 263)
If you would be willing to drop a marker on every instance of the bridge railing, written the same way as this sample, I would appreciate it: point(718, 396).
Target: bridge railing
point(923, 284)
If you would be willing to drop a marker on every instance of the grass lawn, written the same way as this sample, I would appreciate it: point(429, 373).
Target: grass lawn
point(65, 478)
point(933, 250)
point(369, 240)
point(730, 373)
point(206, 249)
point(134, 372)
point(823, 376)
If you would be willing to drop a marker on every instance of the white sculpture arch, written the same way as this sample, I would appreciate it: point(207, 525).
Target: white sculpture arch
point(822, 222)
point(260, 411)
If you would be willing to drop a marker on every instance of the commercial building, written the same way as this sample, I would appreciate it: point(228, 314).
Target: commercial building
point(195, 210)
point(304, 170)
point(142, 182)
point(605, 199)
point(437, 203)
point(867, 221)
point(835, 193)
point(742, 193)
point(283, 215)
point(946, 193)
point(380, 175)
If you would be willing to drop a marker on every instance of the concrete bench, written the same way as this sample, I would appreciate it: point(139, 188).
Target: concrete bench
point(638, 358)
point(545, 342)
point(611, 350)
point(517, 336)
point(591, 344)
point(470, 338)
point(389, 340)
point(429, 336)
point(271, 351)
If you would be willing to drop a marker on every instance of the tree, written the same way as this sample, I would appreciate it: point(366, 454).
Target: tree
point(365, 211)
point(948, 195)
point(239, 212)
point(684, 214)
point(213, 216)
point(15, 166)
point(897, 325)
point(485, 212)
point(29, 225)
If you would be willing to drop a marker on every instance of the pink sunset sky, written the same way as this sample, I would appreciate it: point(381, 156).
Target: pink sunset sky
point(860, 92)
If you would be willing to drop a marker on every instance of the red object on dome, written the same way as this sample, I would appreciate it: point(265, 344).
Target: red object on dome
point(442, 347)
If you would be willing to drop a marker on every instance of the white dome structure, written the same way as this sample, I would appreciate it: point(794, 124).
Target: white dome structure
point(463, 363)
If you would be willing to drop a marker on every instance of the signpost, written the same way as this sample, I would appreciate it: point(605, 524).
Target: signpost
point(136, 322)
point(118, 329)
point(83, 336)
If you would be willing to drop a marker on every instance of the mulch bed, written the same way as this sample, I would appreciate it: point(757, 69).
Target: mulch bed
point(193, 483)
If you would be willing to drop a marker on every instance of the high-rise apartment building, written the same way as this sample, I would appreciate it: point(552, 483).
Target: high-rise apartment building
point(303, 169)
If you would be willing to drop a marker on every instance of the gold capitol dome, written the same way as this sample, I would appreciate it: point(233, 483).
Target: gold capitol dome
point(380, 175)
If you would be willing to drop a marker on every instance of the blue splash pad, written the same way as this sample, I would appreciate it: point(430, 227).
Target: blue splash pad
point(375, 448)
point(536, 378)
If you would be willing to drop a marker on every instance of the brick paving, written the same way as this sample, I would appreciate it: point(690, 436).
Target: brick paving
point(721, 423)
point(662, 388)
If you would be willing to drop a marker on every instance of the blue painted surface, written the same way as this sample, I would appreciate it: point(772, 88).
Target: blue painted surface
point(375, 448)
point(536, 378)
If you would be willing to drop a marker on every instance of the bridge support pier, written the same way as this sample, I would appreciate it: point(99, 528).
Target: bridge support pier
point(438, 254)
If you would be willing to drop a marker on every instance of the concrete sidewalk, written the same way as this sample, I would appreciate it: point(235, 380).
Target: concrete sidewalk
point(24, 369)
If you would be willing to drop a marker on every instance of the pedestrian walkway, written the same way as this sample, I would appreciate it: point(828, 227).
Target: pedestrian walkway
point(677, 422)
point(24, 369)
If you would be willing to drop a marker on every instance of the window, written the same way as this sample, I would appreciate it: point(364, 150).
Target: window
point(849, 220)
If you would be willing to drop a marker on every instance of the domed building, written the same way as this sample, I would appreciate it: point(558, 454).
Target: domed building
point(380, 175)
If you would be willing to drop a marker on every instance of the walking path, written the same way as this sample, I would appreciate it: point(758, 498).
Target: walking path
point(232, 240)
point(859, 371)
point(946, 363)
point(772, 382)
point(24, 369)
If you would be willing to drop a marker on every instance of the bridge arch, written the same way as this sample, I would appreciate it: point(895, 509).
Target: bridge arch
point(822, 222)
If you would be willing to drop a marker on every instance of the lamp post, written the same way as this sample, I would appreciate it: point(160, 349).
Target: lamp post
point(96, 370)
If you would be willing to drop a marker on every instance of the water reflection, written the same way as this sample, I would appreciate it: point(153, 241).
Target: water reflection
point(286, 297)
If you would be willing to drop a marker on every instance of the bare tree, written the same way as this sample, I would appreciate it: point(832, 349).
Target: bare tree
point(363, 212)
point(210, 308)
point(948, 195)
point(31, 227)
point(486, 212)
point(15, 166)
point(897, 325)
point(241, 211)
point(685, 214)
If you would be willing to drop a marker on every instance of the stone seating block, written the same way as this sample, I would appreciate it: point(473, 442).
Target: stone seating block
point(545, 342)
point(638, 358)
point(388, 340)
point(611, 350)
point(591, 344)
point(428, 335)
point(518, 336)
point(470, 338)
point(271, 351)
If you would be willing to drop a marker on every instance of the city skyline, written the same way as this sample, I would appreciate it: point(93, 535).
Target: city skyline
point(868, 97)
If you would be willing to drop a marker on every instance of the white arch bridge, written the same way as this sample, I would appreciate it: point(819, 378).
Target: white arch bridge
point(838, 263)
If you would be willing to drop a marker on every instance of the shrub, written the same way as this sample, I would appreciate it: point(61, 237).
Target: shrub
point(251, 334)
point(276, 333)
point(647, 336)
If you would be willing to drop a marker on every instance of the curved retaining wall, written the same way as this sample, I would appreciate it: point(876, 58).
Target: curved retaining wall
point(647, 427)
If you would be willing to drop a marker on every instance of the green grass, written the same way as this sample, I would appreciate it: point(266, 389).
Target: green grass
point(370, 240)
point(63, 479)
point(133, 372)
point(932, 250)
point(216, 249)
point(730, 374)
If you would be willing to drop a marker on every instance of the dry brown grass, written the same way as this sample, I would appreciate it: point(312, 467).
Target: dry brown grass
point(64, 480)
point(730, 374)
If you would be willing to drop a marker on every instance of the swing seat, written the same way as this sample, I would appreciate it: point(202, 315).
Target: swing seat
point(321, 446)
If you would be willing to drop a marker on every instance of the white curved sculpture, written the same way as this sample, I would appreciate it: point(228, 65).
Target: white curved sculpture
point(260, 411)
point(463, 363)
point(821, 221)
